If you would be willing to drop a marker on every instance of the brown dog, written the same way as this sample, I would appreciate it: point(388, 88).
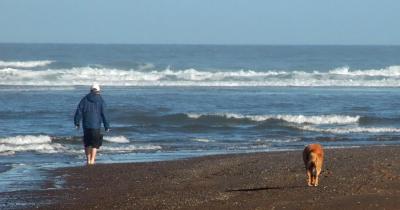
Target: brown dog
point(313, 156)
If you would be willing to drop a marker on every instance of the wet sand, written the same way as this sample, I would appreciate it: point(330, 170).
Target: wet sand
point(357, 178)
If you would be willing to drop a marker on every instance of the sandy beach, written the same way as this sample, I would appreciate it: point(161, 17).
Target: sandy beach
point(199, 105)
point(357, 178)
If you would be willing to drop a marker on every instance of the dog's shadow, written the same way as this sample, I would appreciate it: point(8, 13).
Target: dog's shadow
point(263, 188)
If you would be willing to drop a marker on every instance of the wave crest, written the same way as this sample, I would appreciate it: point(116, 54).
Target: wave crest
point(23, 140)
point(352, 130)
point(343, 77)
point(40, 143)
point(116, 139)
point(299, 119)
point(391, 71)
point(47, 144)
point(25, 64)
point(131, 148)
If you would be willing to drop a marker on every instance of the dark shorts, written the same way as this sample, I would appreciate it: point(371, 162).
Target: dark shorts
point(92, 138)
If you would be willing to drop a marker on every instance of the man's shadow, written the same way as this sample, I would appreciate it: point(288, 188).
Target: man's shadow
point(263, 188)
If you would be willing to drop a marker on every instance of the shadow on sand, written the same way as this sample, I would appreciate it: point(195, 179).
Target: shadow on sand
point(263, 188)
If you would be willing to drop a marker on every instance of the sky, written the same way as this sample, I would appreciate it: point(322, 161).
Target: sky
point(270, 22)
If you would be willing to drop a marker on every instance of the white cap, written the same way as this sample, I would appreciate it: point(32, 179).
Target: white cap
point(95, 87)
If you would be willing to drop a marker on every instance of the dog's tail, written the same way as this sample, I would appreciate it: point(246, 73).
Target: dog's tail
point(313, 160)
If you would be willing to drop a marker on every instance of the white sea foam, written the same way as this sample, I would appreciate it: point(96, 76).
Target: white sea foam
point(202, 140)
point(44, 144)
point(287, 140)
point(23, 140)
point(41, 143)
point(250, 147)
point(42, 148)
point(25, 64)
point(35, 88)
point(346, 130)
point(391, 71)
point(130, 148)
point(300, 119)
point(7, 153)
point(116, 139)
point(386, 77)
point(106, 148)
point(323, 119)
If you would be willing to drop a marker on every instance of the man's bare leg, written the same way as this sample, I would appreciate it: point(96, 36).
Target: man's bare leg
point(88, 156)
point(93, 152)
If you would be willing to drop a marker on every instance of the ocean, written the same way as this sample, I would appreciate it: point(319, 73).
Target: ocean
point(168, 102)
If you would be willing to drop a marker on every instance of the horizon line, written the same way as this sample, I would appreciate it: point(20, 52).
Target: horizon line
point(198, 44)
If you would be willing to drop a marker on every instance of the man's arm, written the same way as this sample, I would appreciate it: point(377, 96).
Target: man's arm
point(78, 114)
point(104, 118)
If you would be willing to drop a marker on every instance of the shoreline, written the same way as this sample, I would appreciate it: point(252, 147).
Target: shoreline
point(352, 178)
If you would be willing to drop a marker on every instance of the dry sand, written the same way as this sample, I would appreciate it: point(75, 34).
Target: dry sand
point(358, 178)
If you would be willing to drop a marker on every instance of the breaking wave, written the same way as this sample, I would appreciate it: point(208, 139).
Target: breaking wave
point(340, 77)
point(131, 148)
point(283, 140)
point(39, 143)
point(391, 71)
point(25, 64)
point(204, 140)
point(66, 145)
point(352, 130)
point(300, 119)
point(23, 140)
point(116, 139)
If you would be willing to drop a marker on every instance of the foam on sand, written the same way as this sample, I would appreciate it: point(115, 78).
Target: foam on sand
point(130, 148)
point(283, 140)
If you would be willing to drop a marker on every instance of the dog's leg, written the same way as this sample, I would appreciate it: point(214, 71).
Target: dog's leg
point(312, 179)
point(316, 181)
point(317, 175)
point(309, 181)
point(313, 172)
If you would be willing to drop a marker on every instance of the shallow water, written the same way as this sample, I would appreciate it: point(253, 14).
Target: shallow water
point(169, 102)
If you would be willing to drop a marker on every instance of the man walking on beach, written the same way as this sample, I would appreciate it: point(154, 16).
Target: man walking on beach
point(91, 110)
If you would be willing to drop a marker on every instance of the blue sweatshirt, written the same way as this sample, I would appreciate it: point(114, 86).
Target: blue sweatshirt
point(91, 110)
